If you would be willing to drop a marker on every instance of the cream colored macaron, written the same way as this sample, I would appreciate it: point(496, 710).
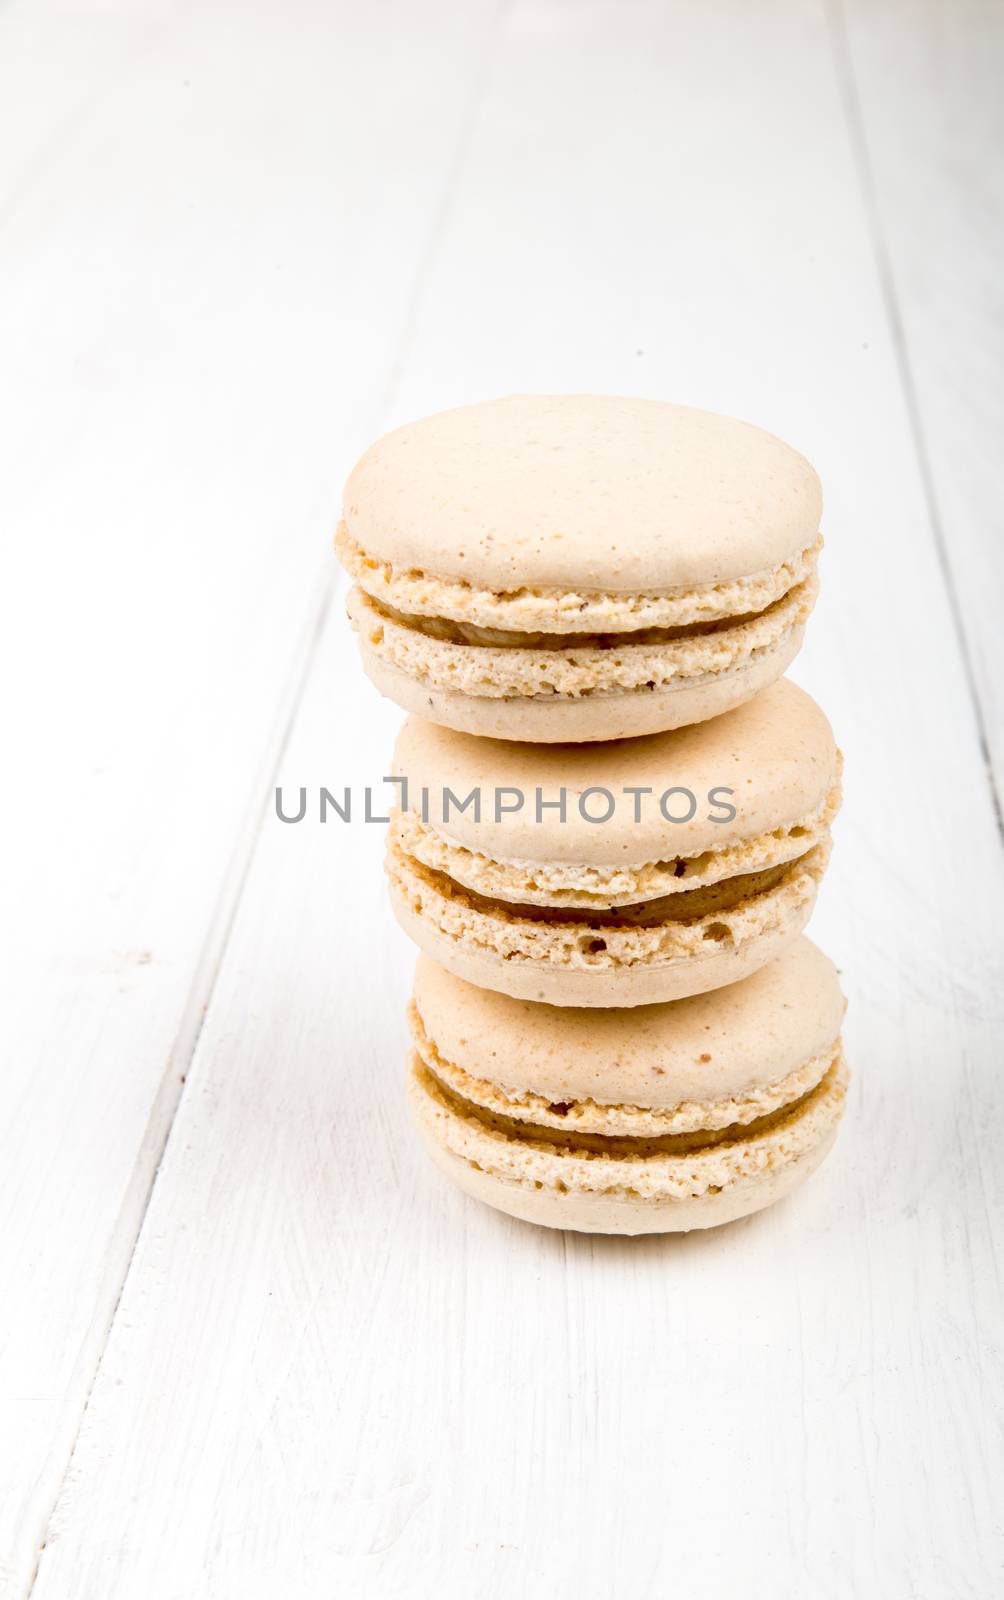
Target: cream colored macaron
point(578, 567)
point(615, 874)
point(657, 1120)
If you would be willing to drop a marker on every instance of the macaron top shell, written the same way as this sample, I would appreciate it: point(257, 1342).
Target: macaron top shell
point(776, 753)
point(586, 492)
point(706, 1048)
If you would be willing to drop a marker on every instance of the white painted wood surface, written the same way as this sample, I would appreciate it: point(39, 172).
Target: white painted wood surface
point(238, 240)
point(204, 290)
point(927, 110)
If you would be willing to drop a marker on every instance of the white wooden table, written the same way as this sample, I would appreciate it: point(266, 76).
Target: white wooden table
point(250, 1345)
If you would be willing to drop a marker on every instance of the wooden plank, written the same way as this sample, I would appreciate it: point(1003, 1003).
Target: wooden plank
point(328, 1372)
point(211, 220)
point(924, 84)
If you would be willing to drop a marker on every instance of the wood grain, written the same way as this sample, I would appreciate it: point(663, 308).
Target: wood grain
point(328, 1373)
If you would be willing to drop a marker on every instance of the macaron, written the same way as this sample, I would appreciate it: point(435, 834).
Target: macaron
point(657, 1120)
point(615, 874)
point(578, 567)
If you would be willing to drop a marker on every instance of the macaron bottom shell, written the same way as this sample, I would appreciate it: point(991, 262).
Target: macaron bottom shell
point(586, 963)
point(586, 719)
point(553, 1189)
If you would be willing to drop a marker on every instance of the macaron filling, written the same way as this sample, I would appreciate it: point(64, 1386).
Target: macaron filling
point(657, 1168)
point(463, 633)
point(478, 663)
point(684, 925)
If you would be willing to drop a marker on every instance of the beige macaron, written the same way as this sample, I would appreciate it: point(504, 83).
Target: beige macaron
point(656, 1120)
point(578, 567)
point(615, 874)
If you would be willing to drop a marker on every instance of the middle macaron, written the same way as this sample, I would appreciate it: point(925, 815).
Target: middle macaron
point(615, 874)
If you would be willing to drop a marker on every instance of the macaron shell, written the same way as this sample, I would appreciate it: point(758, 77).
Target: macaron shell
point(582, 491)
point(707, 1048)
point(636, 985)
point(623, 714)
point(615, 1214)
point(776, 753)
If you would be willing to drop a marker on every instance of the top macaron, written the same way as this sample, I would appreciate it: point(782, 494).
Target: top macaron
point(578, 567)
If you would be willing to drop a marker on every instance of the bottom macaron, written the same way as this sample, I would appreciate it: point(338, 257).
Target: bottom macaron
point(658, 1119)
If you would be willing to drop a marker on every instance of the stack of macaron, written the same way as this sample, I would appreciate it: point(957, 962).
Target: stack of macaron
point(614, 810)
